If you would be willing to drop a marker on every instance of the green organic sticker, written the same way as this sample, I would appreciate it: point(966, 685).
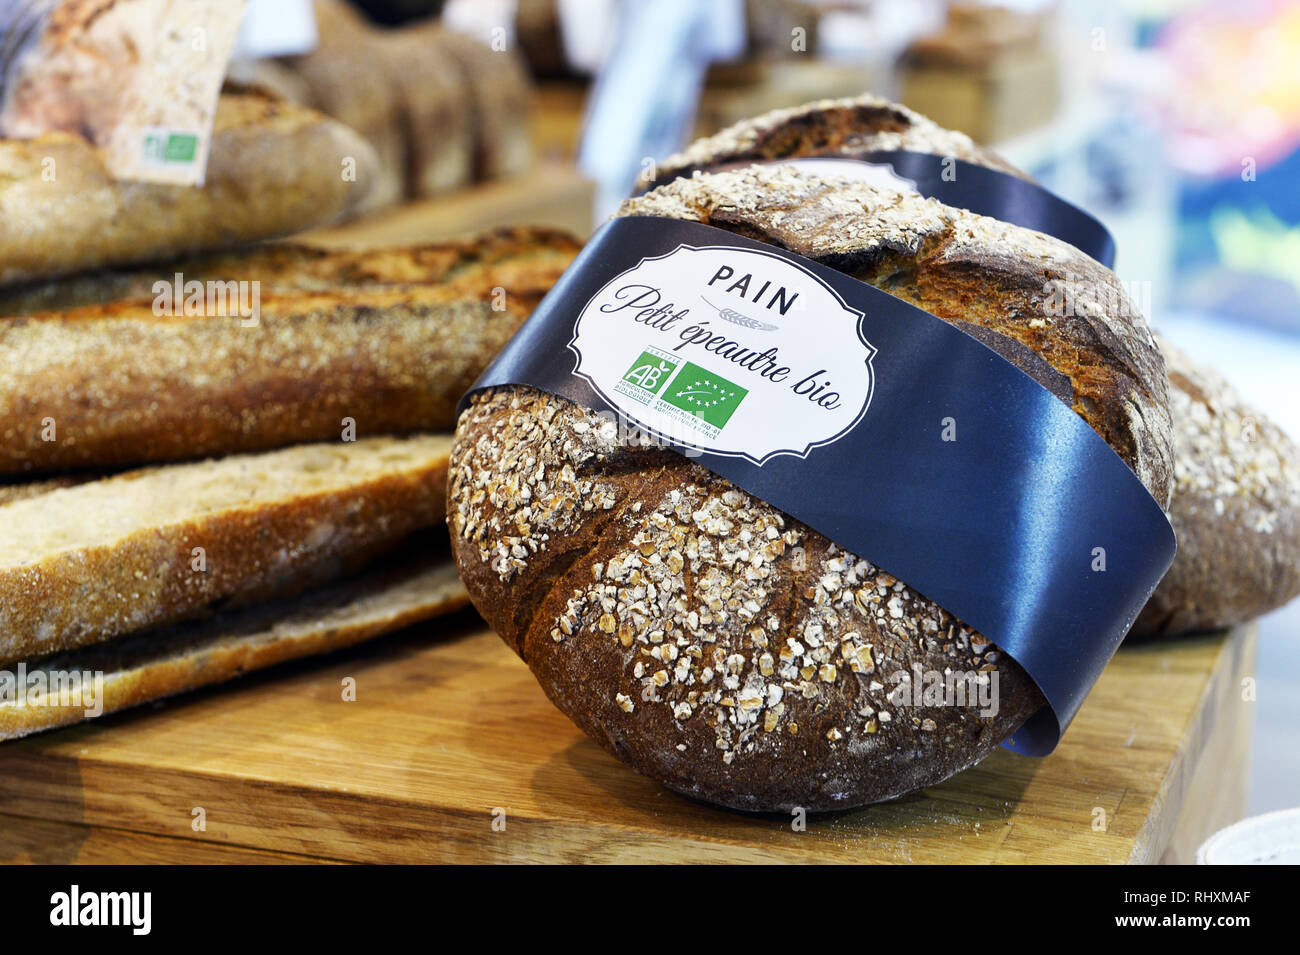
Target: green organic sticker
point(649, 371)
point(709, 397)
point(170, 147)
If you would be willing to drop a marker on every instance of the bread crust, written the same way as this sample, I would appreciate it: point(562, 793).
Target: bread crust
point(848, 128)
point(523, 260)
point(162, 663)
point(275, 168)
point(142, 574)
point(1235, 509)
point(714, 643)
point(124, 386)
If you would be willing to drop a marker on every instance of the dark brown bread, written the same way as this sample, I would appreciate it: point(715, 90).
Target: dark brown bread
point(417, 583)
point(275, 168)
point(1236, 508)
point(716, 644)
point(838, 127)
point(120, 385)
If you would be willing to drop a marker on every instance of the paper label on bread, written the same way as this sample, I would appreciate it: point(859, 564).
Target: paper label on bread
point(669, 342)
point(139, 78)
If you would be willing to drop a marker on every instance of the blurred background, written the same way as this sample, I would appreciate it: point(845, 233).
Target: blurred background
point(1176, 122)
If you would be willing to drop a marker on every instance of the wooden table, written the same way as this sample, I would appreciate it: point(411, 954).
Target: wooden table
point(450, 737)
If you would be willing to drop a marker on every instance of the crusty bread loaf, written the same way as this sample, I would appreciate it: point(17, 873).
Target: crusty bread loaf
point(120, 385)
point(275, 168)
point(97, 560)
point(437, 105)
point(716, 644)
point(1239, 545)
point(1236, 508)
point(412, 586)
point(345, 78)
point(847, 127)
point(523, 260)
point(500, 96)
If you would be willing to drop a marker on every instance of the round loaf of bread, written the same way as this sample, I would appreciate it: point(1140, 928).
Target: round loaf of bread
point(1236, 503)
point(1236, 508)
point(711, 641)
point(847, 128)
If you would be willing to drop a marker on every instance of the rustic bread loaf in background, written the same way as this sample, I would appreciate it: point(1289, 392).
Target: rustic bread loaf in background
point(848, 127)
point(716, 644)
point(500, 97)
point(1236, 508)
point(275, 168)
point(416, 583)
point(122, 385)
point(86, 563)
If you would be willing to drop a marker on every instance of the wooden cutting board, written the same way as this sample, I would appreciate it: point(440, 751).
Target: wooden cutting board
point(450, 752)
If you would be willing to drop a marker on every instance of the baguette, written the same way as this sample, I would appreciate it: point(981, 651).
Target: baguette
point(613, 569)
point(524, 260)
point(151, 666)
point(274, 168)
point(94, 561)
point(1236, 509)
point(120, 385)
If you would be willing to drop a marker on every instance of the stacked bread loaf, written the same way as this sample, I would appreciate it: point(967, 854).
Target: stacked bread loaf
point(293, 483)
point(441, 109)
point(720, 646)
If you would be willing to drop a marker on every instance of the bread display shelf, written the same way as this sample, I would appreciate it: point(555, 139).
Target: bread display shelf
point(449, 730)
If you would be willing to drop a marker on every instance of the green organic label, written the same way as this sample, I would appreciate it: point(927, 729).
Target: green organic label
point(171, 147)
point(650, 372)
point(709, 397)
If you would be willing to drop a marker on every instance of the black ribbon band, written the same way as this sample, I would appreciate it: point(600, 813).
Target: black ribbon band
point(1028, 526)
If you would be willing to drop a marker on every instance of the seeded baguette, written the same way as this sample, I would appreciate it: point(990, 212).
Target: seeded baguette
point(712, 642)
point(97, 560)
point(1236, 508)
point(418, 584)
point(848, 128)
point(275, 168)
point(125, 386)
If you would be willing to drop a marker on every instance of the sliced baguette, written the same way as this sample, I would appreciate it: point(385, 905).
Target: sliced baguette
point(84, 564)
point(523, 260)
point(120, 385)
point(149, 666)
point(275, 168)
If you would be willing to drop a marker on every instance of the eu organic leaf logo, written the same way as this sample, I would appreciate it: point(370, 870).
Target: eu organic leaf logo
point(704, 394)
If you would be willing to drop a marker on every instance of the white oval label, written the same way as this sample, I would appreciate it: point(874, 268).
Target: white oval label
point(733, 351)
